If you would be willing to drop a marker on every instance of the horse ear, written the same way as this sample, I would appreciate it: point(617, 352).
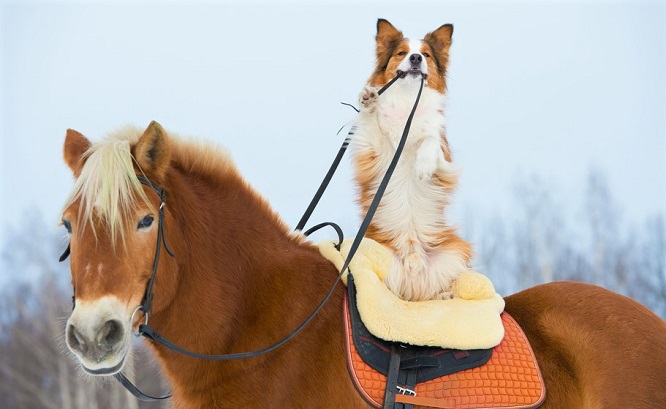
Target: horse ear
point(74, 149)
point(387, 37)
point(440, 39)
point(153, 150)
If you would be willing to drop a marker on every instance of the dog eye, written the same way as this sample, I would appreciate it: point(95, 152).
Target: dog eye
point(402, 53)
point(146, 222)
point(67, 225)
point(426, 55)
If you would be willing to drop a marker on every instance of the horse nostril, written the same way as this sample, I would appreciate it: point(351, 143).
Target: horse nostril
point(75, 340)
point(110, 334)
point(415, 59)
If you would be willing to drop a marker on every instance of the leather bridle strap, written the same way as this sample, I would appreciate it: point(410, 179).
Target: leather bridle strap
point(147, 302)
point(335, 227)
point(334, 166)
point(324, 183)
point(136, 392)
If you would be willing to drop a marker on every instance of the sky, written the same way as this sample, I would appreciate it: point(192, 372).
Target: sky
point(547, 88)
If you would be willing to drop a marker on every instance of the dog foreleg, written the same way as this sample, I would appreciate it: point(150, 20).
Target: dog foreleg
point(429, 158)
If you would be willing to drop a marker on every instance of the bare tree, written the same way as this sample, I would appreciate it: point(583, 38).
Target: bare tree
point(538, 231)
point(538, 243)
point(603, 218)
point(648, 255)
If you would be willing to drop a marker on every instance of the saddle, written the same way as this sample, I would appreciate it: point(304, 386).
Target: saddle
point(391, 375)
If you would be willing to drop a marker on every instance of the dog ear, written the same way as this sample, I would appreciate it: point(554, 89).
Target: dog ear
point(440, 39)
point(153, 151)
point(74, 149)
point(440, 43)
point(387, 38)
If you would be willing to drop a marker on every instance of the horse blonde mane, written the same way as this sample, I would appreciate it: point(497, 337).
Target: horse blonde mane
point(108, 187)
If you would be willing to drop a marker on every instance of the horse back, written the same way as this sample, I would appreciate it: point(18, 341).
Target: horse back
point(596, 348)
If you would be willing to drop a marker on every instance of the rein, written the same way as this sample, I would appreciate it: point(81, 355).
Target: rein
point(148, 332)
point(334, 167)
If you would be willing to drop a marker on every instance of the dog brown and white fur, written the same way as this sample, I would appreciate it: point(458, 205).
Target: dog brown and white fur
point(410, 220)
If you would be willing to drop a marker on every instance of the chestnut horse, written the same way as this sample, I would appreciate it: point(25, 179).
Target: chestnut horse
point(240, 281)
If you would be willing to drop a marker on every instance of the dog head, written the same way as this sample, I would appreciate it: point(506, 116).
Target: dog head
point(398, 55)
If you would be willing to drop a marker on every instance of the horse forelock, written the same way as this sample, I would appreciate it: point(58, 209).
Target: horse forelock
point(108, 188)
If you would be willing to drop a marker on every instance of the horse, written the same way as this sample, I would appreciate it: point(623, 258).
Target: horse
point(240, 280)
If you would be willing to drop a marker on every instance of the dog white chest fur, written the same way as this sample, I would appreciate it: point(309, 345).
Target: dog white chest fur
point(411, 214)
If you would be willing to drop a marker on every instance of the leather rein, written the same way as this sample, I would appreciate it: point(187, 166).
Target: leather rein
point(149, 332)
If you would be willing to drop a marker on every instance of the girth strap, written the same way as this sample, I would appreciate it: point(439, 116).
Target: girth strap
point(410, 386)
point(401, 372)
point(392, 378)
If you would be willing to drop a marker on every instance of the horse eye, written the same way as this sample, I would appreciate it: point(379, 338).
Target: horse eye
point(146, 222)
point(67, 225)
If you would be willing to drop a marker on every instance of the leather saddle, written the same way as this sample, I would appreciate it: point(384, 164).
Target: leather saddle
point(390, 375)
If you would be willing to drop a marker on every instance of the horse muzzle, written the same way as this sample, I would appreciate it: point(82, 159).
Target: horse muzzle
point(98, 336)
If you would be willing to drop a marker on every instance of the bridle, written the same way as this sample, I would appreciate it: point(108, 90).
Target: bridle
point(147, 331)
point(147, 302)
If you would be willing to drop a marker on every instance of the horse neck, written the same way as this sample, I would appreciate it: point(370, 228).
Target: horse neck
point(243, 280)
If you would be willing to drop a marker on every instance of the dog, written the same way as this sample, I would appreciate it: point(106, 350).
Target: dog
point(410, 220)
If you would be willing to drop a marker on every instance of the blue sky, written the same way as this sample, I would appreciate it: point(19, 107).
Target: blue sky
point(546, 88)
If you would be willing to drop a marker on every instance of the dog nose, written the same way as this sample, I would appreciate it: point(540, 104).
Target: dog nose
point(415, 59)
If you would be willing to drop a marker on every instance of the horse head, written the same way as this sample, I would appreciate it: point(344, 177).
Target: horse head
point(112, 220)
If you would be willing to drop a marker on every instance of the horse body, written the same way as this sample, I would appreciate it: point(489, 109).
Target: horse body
point(595, 348)
point(240, 281)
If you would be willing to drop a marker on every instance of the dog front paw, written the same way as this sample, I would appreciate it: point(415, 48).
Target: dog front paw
point(425, 170)
point(428, 160)
point(425, 166)
point(368, 98)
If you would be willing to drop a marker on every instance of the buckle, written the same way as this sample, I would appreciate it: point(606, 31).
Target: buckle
point(139, 308)
point(406, 391)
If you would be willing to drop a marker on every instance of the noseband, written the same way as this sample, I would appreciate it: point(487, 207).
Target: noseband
point(148, 332)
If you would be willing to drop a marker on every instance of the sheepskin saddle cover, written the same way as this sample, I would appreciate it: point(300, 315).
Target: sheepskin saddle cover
point(470, 320)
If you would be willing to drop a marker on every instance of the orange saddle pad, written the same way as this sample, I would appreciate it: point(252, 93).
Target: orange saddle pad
point(510, 379)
